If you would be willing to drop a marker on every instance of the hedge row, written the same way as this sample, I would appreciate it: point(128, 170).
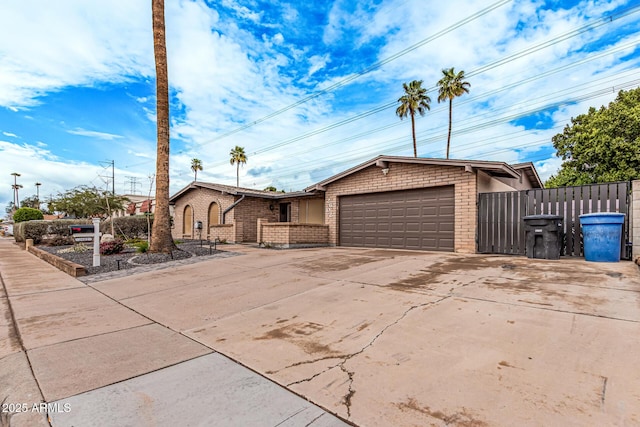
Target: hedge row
point(128, 227)
point(37, 230)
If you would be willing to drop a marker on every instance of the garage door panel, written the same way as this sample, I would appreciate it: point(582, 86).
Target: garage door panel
point(446, 210)
point(413, 227)
point(397, 227)
point(410, 219)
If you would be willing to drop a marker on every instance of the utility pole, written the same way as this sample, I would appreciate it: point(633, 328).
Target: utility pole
point(133, 183)
point(111, 163)
point(16, 202)
point(38, 184)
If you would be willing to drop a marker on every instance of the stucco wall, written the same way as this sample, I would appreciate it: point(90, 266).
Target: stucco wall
point(403, 176)
point(490, 184)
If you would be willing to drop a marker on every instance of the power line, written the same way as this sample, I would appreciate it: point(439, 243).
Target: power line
point(329, 161)
point(367, 70)
point(513, 57)
point(532, 49)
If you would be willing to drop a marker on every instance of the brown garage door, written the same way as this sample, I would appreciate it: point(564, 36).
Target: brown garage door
point(408, 219)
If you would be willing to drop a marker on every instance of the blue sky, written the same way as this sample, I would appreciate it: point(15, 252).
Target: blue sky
point(77, 85)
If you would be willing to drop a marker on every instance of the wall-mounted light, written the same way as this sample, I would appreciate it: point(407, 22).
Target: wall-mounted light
point(385, 171)
point(271, 207)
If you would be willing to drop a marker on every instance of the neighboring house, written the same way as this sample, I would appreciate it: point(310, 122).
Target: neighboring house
point(386, 202)
point(137, 205)
point(232, 213)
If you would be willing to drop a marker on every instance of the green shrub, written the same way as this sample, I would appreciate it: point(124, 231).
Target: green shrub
point(77, 247)
point(30, 230)
point(142, 247)
point(27, 214)
point(128, 227)
point(111, 247)
point(54, 228)
point(134, 241)
point(60, 227)
point(58, 240)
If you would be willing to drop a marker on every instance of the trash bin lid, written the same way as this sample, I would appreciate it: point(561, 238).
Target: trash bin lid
point(602, 218)
point(548, 217)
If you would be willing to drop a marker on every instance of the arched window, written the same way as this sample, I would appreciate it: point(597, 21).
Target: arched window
point(214, 214)
point(187, 221)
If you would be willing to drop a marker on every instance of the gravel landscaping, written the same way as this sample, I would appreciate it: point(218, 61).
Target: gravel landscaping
point(129, 258)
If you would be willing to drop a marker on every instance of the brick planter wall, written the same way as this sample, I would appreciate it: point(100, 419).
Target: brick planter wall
point(289, 235)
point(231, 233)
point(71, 268)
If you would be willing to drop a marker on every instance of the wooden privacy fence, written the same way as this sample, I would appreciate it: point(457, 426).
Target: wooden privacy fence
point(501, 224)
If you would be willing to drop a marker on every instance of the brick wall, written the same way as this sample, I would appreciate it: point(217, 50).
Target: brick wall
point(247, 212)
point(287, 234)
point(226, 232)
point(199, 200)
point(403, 176)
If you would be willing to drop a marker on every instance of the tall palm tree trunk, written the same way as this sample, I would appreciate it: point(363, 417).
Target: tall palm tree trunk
point(413, 132)
point(450, 117)
point(238, 174)
point(161, 239)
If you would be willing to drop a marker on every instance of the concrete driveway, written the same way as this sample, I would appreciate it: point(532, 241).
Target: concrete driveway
point(378, 337)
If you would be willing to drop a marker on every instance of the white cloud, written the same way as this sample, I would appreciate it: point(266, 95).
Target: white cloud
point(74, 43)
point(10, 135)
point(94, 134)
point(318, 62)
point(278, 39)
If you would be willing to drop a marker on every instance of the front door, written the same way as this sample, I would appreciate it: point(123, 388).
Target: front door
point(285, 212)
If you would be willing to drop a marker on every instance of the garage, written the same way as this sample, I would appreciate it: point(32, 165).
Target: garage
point(420, 219)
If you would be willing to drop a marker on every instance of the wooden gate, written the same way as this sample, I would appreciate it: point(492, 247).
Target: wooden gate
point(501, 224)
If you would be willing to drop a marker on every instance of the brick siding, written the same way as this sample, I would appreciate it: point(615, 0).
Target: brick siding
point(246, 212)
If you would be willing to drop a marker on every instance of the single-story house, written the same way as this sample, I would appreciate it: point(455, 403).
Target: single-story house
point(386, 202)
point(207, 210)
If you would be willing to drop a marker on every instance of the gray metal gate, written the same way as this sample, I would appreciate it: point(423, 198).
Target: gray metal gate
point(501, 228)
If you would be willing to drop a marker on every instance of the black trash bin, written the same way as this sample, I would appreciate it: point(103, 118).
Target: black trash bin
point(543, 236)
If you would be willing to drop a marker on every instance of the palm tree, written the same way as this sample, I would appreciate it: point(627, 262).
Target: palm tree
point(161, 239)
point(237, 156)
point(196, 165)
point(450, 86)
point(414, 100)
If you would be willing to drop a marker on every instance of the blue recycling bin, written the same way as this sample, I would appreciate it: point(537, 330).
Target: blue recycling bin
point(601, 235)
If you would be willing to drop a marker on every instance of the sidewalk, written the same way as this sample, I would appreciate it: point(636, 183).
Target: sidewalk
point(97, 362)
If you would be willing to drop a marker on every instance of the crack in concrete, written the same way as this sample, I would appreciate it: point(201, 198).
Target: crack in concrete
point(601, 316)
point(307, 362)
point(346, 400)
point(604, 390)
